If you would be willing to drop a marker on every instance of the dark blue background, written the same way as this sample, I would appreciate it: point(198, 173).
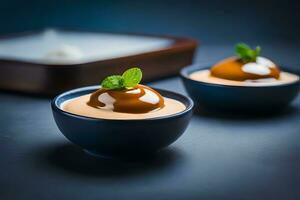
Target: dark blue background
point(213, 22)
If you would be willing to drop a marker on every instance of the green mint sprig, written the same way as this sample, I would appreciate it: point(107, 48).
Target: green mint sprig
point(245, 53)
point(129, 79)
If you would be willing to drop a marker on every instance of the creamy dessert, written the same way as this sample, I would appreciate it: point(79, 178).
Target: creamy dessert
point(245, 69)
point(122, 97)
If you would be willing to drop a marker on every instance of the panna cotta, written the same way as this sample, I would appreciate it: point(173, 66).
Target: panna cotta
point(121, 118)
point(245, 69)
point(122, 98)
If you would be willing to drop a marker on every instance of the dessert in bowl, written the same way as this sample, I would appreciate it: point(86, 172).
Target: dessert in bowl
point(246, 82)
point(122, 117)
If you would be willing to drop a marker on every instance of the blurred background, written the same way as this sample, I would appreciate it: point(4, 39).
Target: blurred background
point(274, 24)
point(211, 21)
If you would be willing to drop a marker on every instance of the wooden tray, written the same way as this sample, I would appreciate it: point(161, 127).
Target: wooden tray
point(40, 76)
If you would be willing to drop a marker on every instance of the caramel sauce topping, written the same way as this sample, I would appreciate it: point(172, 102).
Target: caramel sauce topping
point(140, 99)
point(232, 69)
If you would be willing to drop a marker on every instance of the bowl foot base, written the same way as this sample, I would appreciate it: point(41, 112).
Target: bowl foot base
point(132, 156)
point(97, 154)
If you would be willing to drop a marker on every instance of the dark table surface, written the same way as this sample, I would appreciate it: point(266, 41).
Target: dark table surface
point(218, 157)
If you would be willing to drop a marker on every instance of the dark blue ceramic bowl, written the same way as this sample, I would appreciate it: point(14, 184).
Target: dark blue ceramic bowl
point(244, 99)
point(107, 137)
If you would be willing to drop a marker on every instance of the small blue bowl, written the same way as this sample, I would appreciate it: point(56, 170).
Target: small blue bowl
point(110, 138)
point(239, 99)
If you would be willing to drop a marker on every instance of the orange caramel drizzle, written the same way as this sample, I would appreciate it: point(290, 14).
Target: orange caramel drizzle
point(139, 99)
point(231, 69)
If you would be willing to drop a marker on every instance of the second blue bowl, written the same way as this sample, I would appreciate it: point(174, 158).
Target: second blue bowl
point(219, 97)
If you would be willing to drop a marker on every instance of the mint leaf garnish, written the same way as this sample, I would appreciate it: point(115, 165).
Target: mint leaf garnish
point(130, 78)
point(113, 82)
point(245, 53)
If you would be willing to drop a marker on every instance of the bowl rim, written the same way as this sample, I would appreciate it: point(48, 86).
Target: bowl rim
point(186, 71)
point(56, 107)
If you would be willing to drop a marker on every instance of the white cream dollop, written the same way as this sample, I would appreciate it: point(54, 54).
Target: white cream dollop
point(260, 67)
point(254, 68)
point(265, 61)
point(136, 91)
point(149, 97)
point(109, 101)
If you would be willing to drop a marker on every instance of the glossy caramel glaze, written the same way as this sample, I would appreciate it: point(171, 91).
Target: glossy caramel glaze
point(232, 69)
point(140, 99)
